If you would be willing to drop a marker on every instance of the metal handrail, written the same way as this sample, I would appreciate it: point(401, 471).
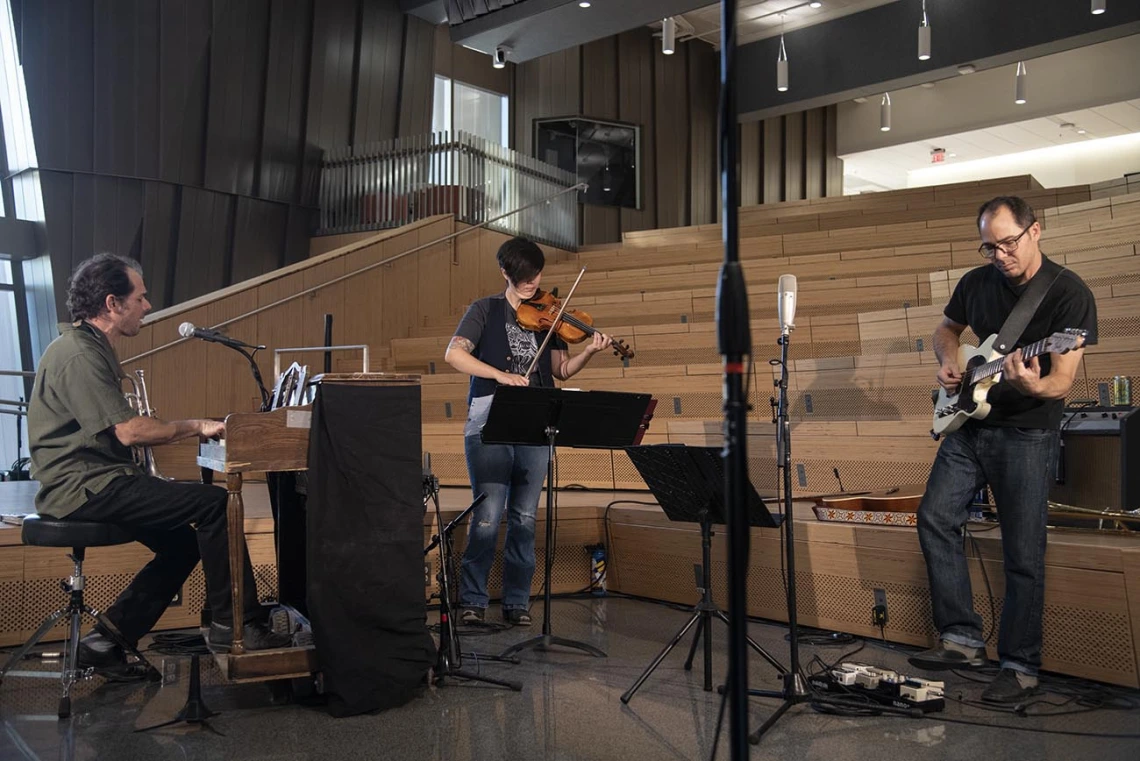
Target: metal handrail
point(366, 268)
point(19, 373)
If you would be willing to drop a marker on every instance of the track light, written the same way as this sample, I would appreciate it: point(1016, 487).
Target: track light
point(669, 35)
point(499, 57)
point(924, 36)
point(1099, 7)
point(885, 113)
point(1019, 84)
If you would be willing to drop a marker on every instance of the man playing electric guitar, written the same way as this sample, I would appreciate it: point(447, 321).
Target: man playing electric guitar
point(1013, 448)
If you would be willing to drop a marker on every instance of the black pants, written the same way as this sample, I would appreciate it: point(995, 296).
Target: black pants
point(180, 522)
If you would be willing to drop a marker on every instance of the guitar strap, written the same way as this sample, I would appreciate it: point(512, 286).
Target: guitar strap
point(1023, 312)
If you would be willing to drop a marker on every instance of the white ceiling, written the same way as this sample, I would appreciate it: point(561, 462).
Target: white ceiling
point(886, 168)
point(758, 19)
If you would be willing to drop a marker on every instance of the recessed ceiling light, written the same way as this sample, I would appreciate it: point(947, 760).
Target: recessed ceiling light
point(583, 3)
point(860, 100)
point(952, 155)
point(815, 4)
point(967, 68)
point(1081, 131)
point(927, 85)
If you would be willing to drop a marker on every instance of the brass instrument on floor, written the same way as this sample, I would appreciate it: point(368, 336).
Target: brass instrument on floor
point(139, 401)
point(1121, 518)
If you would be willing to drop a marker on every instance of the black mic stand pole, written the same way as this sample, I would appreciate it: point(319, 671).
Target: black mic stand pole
point(734, 341)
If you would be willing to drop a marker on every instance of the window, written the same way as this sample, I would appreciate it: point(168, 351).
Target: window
point(13, 427)
point(604, 155)
point(460, 107)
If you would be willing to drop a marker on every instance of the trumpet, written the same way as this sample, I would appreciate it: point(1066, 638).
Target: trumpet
point(139, 401)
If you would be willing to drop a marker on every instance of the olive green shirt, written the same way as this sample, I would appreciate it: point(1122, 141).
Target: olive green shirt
point(76, 400)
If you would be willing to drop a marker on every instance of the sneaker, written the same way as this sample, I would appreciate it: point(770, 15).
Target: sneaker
point(948, 655)
point(254, 636)
point(108, 660)
point(472, 616)
point(1011, 686)
point(517, 617)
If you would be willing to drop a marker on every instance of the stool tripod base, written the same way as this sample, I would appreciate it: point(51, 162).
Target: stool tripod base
point(545, 642)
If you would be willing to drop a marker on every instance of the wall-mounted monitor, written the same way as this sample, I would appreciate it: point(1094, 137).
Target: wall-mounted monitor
point(605, 155)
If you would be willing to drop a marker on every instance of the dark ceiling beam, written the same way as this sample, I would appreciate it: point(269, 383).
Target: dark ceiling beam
point(535, 28)
point(867, 53)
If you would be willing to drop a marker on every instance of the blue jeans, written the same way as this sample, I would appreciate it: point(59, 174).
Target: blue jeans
point(512, 477)
point(1019, 465)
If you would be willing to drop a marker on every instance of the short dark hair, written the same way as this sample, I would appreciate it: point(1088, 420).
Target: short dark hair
point(521, 259)
point(97, 278)
point(1021, 210)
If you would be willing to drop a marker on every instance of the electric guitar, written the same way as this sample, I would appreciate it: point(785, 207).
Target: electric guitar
point(982, 371)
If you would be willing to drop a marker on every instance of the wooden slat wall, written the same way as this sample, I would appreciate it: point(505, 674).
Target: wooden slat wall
point(790, 158)
point(189, 134)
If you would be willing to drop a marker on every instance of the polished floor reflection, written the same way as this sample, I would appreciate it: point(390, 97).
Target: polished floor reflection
point(568, 709)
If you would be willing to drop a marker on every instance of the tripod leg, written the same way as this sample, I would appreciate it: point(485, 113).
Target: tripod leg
point(754, 738)
point(45, 627)
point(516, 686)
point(706, 619)
point(662, 655)
point(759, 650)
point(696, 641)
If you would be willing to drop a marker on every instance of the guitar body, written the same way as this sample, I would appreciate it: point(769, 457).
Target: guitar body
point(901, 499)
point(951, 411)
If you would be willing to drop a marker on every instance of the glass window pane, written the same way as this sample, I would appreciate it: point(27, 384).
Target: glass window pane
point(441, 105)
point(480, 113)
point(5, 272)
point(11, 387)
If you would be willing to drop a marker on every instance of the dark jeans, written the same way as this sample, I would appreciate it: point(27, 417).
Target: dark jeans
point(1018, 464)
point(512, 477)
point(180, 522)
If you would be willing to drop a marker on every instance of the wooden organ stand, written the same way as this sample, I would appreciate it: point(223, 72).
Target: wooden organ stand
point(258, 442)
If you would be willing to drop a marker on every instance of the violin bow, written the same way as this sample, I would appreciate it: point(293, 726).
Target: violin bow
point(554, 325)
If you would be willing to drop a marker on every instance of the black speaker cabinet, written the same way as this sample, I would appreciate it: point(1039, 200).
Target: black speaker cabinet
point(1100, 459)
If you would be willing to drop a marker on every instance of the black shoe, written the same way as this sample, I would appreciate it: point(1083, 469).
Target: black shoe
point(1006, 688)
point(108, 660)
point(941, 658)
point(472, 616)
point(517, 617)
point(254, 637)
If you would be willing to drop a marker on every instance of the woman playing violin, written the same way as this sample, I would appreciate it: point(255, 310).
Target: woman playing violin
point(491, 347)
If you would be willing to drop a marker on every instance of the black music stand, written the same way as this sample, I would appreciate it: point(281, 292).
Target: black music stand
point(524, 415)
point(688, 483)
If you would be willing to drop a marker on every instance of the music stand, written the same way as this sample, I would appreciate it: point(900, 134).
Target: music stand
point(530, 416)
point(688, 483)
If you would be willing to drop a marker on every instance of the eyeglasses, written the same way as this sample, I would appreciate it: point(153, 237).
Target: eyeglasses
point(1007, 246)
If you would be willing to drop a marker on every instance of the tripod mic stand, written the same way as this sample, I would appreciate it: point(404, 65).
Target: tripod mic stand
point(449, 656)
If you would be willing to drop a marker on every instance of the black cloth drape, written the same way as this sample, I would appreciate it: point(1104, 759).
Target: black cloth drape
point(365, 546)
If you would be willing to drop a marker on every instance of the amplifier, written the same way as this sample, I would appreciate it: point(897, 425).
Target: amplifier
point(1097, 445)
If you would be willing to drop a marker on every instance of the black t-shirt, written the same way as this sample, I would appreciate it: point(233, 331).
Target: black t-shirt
point(983, 300)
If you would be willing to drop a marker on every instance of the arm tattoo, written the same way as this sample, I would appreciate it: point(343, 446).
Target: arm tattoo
point(461, 343)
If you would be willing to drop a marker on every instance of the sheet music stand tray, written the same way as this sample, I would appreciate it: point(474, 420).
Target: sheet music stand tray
point(688, 483)
point(524, 415)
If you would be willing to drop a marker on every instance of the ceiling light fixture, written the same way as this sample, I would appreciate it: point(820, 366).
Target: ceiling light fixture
point(782, 62)
point(1099, 7)
point(815, 4)
point(499, 57)
point(924, 36)
point(1081, 131)
point(583, 3)
point(967, 68)
point(669, 36)
point(885, 113)
point(1019, 84)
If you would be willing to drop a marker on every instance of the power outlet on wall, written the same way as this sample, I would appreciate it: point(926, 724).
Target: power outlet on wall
point(879, 611)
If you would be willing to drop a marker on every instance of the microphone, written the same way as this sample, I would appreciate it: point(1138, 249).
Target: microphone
point(188, 330)
point(786, 306)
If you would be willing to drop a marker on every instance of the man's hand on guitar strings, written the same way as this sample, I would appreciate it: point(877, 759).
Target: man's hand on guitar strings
point(1023, 376)
point(949, 377)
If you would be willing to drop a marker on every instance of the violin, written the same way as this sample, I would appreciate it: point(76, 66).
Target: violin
point(538, 314)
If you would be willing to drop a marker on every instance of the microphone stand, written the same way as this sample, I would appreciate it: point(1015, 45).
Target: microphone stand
point(734, 341)
point(265, 398)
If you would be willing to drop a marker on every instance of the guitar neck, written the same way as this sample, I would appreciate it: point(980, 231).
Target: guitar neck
point(991, 369)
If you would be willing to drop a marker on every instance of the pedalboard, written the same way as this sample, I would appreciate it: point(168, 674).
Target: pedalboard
point(883, 686)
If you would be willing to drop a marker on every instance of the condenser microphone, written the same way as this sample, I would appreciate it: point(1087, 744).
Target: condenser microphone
point(188, 330)
point(787, 303)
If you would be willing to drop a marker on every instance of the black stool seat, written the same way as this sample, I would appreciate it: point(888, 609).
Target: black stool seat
point(42, 531)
